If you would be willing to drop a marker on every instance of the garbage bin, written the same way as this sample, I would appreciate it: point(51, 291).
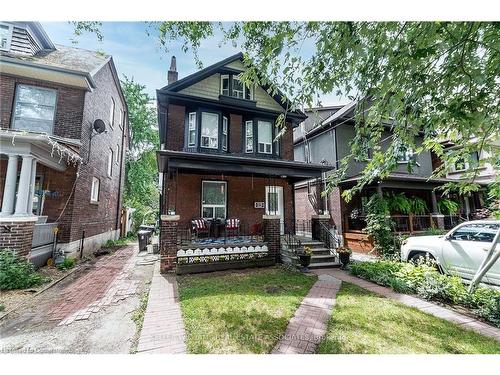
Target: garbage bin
point(144, 237)
point(150, 228)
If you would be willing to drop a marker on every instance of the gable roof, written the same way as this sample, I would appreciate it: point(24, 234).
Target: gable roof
point(191, 79)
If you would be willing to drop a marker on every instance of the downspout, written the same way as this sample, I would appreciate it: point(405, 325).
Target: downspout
point(118, 206)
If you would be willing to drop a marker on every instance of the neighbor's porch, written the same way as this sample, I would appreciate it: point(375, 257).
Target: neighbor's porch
point(37, 173)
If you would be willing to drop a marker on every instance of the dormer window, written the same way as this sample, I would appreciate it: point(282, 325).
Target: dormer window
point(231, 85)
point(5, 37)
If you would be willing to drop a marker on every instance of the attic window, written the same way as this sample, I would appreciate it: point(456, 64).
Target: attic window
point(5, 37)
point(231, 85)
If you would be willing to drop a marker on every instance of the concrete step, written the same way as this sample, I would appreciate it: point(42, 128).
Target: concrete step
point(324, 265)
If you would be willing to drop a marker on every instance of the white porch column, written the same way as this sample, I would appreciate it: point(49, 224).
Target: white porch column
point(32, 187)
point(9, 192)
point(23, 190)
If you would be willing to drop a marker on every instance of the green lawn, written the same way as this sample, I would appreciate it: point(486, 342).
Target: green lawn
point(240, 311)
point(363, 322)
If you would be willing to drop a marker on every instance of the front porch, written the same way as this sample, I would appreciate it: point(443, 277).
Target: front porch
point(229, 211)
point(37, 172)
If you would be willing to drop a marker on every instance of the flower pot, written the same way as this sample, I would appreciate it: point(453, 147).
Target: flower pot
point(305, 261)
point(344, 259)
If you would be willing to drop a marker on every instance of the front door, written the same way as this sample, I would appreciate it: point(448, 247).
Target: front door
point(274, 204)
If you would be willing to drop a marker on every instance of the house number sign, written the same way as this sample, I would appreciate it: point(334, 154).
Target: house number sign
point(258, 204)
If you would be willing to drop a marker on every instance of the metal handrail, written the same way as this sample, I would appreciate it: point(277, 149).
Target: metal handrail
point(329, 239)
point(292, 242)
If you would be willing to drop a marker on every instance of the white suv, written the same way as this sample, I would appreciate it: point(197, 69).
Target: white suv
point(460, 252)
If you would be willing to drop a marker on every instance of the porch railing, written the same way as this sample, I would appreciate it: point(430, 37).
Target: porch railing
point(330, 238)
point(405, 223)
point(217, 234)
point(43, 234)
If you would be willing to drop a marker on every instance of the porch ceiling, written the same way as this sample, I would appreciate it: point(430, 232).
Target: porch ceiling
point(402, 180)
point(239, 165)
point(52, 151)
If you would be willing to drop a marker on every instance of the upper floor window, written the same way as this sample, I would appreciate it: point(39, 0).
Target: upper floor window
point(248, 136)
point(224, 133)
point(224, 84)
point(404, 154)
point(34, 109)
point(94, 192)
point(265, 137)
point(231, 85)
point(110, 163)
point(120, 118)
point(117, 154)
point(210, 130)
point(464, 163)
point(112, 113)
point(5, 37)
point(192, 129)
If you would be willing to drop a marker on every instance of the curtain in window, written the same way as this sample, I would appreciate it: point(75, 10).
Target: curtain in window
point(209, 130)
point(34, 109)
point(265, 136)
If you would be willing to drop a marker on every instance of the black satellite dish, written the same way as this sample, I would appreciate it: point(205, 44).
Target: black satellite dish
point(99, 126)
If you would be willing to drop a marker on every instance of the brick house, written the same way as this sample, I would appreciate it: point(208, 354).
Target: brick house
point(63, 137)
point(221, 163)
point(325, 136)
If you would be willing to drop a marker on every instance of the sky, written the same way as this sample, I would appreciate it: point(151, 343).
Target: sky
point(137, 54)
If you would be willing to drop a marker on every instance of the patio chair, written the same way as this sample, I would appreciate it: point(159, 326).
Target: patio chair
point(232, 227)
point(200, 227)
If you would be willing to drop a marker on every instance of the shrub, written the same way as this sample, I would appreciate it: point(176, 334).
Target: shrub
point(17, 272)
point(67, 263)
point(379, 226)
point(424, 280)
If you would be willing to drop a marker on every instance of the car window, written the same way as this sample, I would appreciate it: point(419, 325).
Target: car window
point(476, 232)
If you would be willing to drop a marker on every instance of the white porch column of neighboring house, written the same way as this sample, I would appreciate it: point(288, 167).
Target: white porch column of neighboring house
point(9, 192)
point(23, 190)
point(32, 187)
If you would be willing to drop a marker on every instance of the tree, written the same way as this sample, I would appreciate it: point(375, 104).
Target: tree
point(435, 79)
point(141, 184)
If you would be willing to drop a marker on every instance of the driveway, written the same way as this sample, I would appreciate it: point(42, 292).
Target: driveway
point(88, 312)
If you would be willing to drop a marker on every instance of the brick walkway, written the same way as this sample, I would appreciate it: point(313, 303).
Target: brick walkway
point(105, 284)
point(163, 328)
point(423, 305)
point(308, 326)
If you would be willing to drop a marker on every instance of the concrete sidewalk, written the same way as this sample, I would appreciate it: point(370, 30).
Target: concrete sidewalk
point(163, 328)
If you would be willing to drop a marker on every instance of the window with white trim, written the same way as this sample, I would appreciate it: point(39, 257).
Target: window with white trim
point(238, 88)
point(5, 37)
point(404, 154)
point(224, 84)
point(34, 109)
point(210, 130)
point(110, 163)
point(248, 136)
point(213, 199)
point(264, 137)
point(464, 163)
point(224, 132)
point(192, 129)
point(120, 119)
point(94, 191)
point(112, 113)
point(117, 154)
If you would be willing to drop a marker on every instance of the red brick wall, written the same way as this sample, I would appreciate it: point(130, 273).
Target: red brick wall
point(99, 217)
point(69, 108)
point(304, 209)
point(241, 195)
point(287, 143)
point(235, 134)
point(175, 127)
point(17, 236)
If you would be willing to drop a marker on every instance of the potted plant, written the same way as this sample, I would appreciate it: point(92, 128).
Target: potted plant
point(344, 255)
point(305, 258)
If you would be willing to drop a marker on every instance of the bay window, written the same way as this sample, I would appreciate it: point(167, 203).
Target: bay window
point(248, 136)
point(264, 137)
point(224, 133)
point(192, 129)
point(213, 200)
point(209, 130)
point(34, 109)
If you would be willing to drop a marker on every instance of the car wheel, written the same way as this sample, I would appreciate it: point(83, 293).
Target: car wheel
point(422, 257)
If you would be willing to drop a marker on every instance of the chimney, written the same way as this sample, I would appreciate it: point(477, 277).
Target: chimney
point(172, 72)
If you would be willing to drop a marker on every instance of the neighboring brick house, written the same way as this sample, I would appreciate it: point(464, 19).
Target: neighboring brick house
point(63, 137)
point(220, 158)
point(325, 137)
